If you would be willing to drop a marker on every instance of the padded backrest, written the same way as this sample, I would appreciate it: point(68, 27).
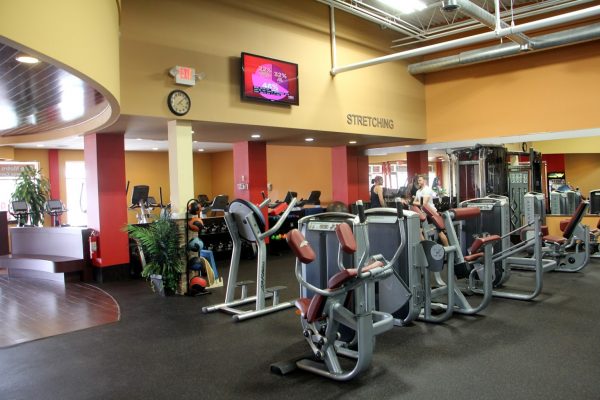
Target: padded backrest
point(459, 214)
point(300, 246)
point(435, 218)
point(575, 219)
point(344, 234)
point(481, 241)
point(420, 213)
point(242, 208)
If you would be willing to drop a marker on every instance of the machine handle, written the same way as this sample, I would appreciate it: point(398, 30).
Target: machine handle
point(282, 219)
point(361, 211)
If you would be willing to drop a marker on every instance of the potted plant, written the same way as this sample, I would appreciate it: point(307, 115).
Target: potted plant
point(162, 252)
point(33, 188)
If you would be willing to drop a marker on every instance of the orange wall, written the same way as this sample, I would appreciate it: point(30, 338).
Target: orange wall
point(553, 223)
point(549, 91)
point(583, 171)
point(222, 173)
point(300, 169)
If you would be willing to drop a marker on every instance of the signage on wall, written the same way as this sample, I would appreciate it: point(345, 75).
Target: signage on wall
point(369, 121)
point(12, 170)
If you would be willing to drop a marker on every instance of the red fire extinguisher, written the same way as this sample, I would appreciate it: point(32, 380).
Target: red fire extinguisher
point(94, 245)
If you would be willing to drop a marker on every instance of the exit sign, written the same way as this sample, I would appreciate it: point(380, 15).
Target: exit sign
point(185, 76)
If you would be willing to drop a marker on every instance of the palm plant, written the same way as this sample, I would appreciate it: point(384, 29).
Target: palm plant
point(163, 253)
point(33, 188)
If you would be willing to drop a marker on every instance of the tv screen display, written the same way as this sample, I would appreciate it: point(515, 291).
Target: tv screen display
point(270, 80)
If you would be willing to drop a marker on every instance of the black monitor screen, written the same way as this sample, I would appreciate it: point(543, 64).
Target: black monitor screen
point(19, 206)
point(140, 194)
point(54, 205)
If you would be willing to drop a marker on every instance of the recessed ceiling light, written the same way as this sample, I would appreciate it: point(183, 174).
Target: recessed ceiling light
point(255, 135)
point(27, 59)
point(155, 148)
point(352, 142)
point(309, 139)
point(200, 149)
point(139, 138)
point(40, 145)
point(193, 131)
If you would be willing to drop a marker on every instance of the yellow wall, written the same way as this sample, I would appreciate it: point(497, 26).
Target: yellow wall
point(222, 173)
point(569, 146)
point(299, 169)
point(203, 174)
point(583, 171)
point(39, 155)
point(157, 35)
point(555, 90)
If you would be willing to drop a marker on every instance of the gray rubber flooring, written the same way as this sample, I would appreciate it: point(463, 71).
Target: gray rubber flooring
point(165, 348)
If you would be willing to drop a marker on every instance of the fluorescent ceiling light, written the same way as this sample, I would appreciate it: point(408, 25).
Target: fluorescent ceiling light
point(405, 6)
point(27, 59)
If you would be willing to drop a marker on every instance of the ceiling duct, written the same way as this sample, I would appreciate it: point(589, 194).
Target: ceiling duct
point(544, 42)
point(479, 14)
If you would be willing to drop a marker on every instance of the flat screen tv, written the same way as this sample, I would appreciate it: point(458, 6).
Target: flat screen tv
point(269, 80)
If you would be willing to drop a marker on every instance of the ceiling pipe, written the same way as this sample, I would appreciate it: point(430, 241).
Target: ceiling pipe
point(542, 23)
point(552, 40)
point(479, 14)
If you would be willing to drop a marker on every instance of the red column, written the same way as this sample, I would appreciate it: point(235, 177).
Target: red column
point(416, 163)
point(250, 170)
point(53, 174)
point(104, 156)
point(439, 171)
point(554, 162)
point(350, 172)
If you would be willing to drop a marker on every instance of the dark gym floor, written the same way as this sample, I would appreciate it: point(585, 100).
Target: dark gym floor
point(166, 348)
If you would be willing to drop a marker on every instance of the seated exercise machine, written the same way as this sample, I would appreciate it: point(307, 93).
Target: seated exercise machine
point(408, 294)
point(328, 309)
point(246, 222)
point(571, 251)
point(495, 220)
point(219, 203)
point(477, 263)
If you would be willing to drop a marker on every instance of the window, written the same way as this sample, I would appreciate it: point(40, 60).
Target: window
point(76, 193)
point(9, 172)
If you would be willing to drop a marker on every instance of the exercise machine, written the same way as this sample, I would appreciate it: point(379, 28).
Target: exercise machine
point(20, 210)
point(246, 223)
point(328, 309)
point(55, 208)
point(477, 263)
point(571, 251)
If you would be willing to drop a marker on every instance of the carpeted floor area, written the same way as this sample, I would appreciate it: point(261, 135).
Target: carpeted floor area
point(166, 348)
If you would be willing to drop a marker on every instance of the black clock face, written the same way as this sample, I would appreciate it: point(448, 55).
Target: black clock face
point(179, 102)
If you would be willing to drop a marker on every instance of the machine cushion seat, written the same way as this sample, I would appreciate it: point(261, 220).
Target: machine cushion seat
point(473, 257)
point(312, 309)
point(554, 239)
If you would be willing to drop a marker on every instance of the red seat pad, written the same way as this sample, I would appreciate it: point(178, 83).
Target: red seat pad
point(563, 224)
point(346, 238)
point(465, 213)
point(473, 257)
point(300, 246)
point(544, 230)
point(481, 241)
point(302, 304)
point(280, 208)
point(554, 239)
point(435, 218)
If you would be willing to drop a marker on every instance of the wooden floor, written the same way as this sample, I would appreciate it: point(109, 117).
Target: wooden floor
point(32, 309)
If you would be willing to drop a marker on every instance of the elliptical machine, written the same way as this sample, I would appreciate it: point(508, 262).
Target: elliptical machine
point(246, 223)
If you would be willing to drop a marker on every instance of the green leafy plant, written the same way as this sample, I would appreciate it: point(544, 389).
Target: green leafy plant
point(33, 188)
point(163, 253)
